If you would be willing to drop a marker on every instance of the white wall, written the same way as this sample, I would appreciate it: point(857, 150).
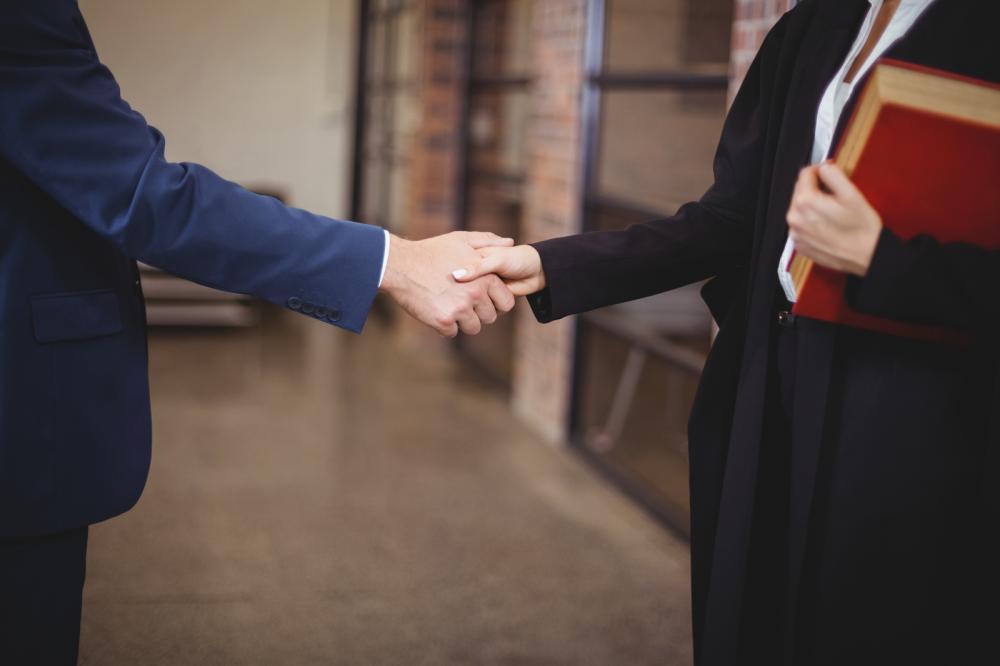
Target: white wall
point(260, 91)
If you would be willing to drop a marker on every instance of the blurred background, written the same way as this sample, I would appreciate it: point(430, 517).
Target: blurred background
point(515, 498)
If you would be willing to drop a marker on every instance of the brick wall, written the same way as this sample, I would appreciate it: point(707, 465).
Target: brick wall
point(543, 354)
point(751, 21)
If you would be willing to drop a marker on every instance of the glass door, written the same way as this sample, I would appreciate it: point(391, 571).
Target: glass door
point(654, 106)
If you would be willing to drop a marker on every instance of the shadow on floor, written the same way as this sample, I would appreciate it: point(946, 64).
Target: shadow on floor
point(321, 498)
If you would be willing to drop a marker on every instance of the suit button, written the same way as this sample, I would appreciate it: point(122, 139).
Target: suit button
point(786, 319)
point(308, 308)
point(333, 314)
point(321, 312)
point(294, 303)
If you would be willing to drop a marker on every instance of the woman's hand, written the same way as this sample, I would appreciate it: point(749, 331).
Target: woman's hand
point(520, 268)
point(835, 227)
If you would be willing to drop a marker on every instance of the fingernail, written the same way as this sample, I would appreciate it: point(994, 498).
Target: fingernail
point(459, 274)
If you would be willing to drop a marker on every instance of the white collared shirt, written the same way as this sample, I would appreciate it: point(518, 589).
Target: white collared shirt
point(839, 92)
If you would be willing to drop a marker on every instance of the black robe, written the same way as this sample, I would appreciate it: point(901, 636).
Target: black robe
point(889, 547)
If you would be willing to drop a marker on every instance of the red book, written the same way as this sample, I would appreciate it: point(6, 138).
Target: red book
point(924, 147)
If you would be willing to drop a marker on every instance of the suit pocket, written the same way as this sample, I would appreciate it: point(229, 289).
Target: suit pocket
point(75, 316)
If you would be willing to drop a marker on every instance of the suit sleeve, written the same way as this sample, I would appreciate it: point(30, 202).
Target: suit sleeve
point(924, 281)
point(706, 238)
point(64, 125)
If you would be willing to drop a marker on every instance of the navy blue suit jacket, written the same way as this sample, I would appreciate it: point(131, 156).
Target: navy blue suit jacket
point(84, 191)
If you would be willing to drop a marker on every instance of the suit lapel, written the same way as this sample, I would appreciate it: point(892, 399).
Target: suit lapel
point(933, 19)
point(825, 47)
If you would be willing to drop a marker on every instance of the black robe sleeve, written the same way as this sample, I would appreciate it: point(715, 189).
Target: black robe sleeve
point(705, 238)
point(924, 281)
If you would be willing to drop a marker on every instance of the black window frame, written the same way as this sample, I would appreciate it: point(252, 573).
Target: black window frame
point(477, 83)
point(387, 87)
point(596, 82)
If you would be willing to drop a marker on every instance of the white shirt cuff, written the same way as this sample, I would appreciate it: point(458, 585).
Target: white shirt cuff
point(385, 258)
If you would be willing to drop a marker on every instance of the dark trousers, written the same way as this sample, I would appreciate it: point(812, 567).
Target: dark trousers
point(41, 595)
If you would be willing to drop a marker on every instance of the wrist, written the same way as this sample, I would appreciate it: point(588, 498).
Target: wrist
point(399, 253)
point(868, 250)
point(540, 274)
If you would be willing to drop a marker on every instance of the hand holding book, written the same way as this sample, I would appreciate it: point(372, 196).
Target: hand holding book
point(923, 149)
point(831, 221)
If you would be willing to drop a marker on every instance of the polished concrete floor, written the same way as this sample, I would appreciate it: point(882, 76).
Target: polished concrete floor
point(321, 498)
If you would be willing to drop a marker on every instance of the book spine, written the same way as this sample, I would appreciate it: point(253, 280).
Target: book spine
point(799, 269)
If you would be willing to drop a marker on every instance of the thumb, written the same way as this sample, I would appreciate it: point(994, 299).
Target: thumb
point(480, 239)
point(491, 264)
point(837, 181)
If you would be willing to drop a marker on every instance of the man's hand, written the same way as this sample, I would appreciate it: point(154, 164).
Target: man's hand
point(836, 228)
point(418, 277)
point(520, 268)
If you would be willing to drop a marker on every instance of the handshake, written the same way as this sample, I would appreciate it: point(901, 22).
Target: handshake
point(461, 280)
